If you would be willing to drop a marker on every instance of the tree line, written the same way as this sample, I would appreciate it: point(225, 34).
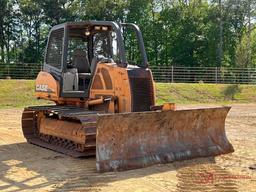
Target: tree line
point(176, 32)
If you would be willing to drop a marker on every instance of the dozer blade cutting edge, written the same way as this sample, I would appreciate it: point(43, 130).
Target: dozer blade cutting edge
point(135, 140)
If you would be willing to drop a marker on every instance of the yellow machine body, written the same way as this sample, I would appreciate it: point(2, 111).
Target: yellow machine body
point(110, 82)
point(107, 109)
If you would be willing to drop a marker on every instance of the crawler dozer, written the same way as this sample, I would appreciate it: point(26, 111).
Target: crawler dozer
point(105, 103)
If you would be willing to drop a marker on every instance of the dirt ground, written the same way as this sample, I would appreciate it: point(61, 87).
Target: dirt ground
point(25, 167)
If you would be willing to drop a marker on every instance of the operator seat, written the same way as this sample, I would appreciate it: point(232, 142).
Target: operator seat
point(81, 62)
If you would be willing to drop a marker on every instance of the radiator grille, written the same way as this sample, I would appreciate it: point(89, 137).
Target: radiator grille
point(142, 93)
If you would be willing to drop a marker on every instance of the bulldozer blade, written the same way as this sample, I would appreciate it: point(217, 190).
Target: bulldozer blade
point(134, 140)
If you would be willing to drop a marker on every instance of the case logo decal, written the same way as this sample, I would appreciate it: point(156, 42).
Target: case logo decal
point(43, 88)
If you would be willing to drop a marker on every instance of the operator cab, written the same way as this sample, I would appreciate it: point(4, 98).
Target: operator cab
point(87, 45)
point(75, 49)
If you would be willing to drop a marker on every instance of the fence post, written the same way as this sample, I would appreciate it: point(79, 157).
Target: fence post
point(172, 73)
point(8, 70)
point(216, 75)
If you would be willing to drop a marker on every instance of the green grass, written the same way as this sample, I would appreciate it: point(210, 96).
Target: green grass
point(20, 93)
point(205, 93)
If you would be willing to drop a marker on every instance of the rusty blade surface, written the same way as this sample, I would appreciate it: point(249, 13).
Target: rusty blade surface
point(135, 140)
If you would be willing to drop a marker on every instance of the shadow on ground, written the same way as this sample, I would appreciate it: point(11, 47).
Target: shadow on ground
point(26, 167)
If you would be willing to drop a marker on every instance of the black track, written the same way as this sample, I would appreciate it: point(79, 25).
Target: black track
point(87, 118)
